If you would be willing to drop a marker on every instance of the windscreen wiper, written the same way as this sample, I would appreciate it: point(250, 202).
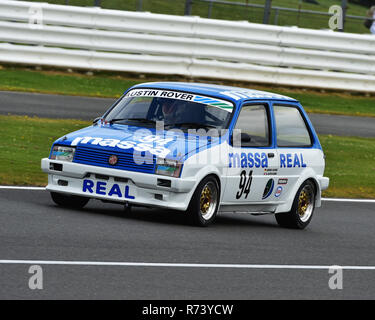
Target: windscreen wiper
point(143, 120)
point(191, 124)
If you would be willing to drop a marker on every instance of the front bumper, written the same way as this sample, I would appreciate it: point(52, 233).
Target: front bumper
point(143, 185)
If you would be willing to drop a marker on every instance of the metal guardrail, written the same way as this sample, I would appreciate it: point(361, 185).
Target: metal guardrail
point(98, 39)
point(271, 13)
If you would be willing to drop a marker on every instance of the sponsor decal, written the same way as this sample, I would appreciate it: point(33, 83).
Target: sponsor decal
point(248, 160)
point(160, 94)
point(270, 172)
point(278, 192)
point(226, 105)
point(282, 181)
point(113, 160)
point(245, 94)
point(154, 144)
point(268, 189)
point(290, 160)
point(101, 188)
point(215, 102)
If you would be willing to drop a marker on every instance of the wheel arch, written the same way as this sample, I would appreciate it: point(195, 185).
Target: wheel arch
point(197, 216)
point(318, 193)
point(308, 176)
point(216, 177)
point(203, 174)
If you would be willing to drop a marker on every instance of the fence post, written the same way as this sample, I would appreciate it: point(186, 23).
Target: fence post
point(267, 11)
point(210, 9)
point(140, 5)
point(188, 4)
point(276, 22)
point(344, 6)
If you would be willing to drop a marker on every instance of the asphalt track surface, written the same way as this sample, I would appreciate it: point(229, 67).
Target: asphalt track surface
point(68, 107)
point(33, 228)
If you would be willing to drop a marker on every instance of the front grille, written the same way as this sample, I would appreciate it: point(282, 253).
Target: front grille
point(126, 160)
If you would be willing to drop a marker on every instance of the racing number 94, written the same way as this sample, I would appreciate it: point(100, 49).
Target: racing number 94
point(245, 184)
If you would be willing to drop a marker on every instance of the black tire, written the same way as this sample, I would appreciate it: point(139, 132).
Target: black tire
point(302, 210)
point(204, 214)
point(127, 209)
point(69, 201)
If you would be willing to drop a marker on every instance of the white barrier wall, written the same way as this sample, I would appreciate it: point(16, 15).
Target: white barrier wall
point(99, 39)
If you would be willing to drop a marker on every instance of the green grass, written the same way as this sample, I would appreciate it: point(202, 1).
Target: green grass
point(23, 142)
point(63, 83)
point(350, 162)
point(112, 85)
point(232, 12)
point(350, 165)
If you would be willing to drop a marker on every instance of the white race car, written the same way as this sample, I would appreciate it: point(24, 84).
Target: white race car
point(197, 148)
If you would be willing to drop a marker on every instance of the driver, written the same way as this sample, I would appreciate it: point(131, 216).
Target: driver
point(169, 110)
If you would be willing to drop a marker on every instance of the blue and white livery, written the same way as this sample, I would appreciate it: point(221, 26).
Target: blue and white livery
point(198, 148)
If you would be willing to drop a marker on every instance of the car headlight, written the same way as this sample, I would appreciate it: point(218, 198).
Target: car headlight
point(62, 153)
point(171, 168)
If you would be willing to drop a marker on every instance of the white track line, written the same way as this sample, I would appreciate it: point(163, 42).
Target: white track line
point(349, 200)
point(323, 199)
point(183, 265)
point(21, 188)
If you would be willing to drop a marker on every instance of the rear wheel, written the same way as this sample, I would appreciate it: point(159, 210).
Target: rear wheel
point(205, 202)
point(69, 201)
point(302, 209)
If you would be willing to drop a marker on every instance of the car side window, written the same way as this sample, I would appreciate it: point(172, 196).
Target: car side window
point(291, 130)
point(253, 120)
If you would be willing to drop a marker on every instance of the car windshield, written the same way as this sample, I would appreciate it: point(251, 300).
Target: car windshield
point(177, 110)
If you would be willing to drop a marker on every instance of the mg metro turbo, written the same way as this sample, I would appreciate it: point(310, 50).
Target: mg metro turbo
point(197, 148)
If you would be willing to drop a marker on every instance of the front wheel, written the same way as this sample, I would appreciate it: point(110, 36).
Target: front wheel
point(205, 202)
point(69, 201)
point(302, 209)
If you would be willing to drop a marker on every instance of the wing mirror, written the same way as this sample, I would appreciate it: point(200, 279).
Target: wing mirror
point(96, 120)
point(242, 137)
point(245, 137)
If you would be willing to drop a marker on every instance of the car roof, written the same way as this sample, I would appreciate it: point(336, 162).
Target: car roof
point(235, 94)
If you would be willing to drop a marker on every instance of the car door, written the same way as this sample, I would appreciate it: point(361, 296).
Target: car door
point(253, 164)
